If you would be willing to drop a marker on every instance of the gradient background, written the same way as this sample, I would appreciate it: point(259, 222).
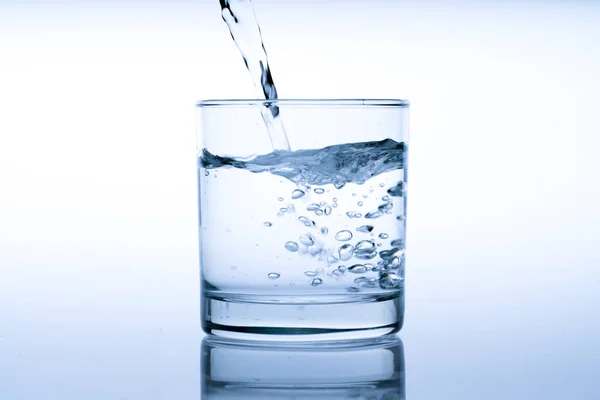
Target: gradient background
point(98, 242)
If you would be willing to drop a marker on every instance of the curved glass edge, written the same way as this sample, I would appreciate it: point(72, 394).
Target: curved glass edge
point(305, 102)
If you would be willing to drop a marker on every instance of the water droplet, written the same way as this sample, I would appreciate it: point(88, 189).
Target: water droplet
point(324, 230)
point(273, 275)
point(360, 203)
point(373, 214)
point(292, 246)
point(343, 236)
point(310, 274)
point(316, 281)
point(389, 254)
point(357, 269)
point(385, 207)
point(397, 243)
point(319, 212)
point(397, 191)
point(346, 252)
point(327, 210)
point(319, 191)
point(280, 199)
point(296, 194)
point(307, 239)
point(388, 280)
point(332, 260)
point(313, 207)
point(352, 289)
point(267, 224)
point(385, 198)
point(206, 173)
point(383, 236)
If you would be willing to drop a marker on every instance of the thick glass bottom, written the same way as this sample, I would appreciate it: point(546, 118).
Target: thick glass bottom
point(298, 318)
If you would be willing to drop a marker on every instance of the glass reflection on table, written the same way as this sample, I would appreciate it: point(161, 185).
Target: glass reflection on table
point(367, 369)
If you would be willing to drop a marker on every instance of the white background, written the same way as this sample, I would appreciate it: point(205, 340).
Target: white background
point(98, 211)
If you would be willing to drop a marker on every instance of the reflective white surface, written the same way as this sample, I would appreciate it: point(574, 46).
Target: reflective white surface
point(98, 230)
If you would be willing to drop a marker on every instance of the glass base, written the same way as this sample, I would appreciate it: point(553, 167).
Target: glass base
point(286, 318)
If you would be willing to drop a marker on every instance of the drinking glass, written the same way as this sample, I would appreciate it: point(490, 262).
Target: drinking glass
point(306, 243)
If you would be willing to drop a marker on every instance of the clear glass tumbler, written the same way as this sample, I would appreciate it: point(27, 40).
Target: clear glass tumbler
point(306, 243)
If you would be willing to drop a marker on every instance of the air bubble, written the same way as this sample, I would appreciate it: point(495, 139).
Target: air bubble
point(365, 245)
point(310, 274)
point(296, 194)
point(332, 260)
point(322, 203)
point(206, 173)
point(383, 236)
point(280, 199)
point(339, 185)
point(385, 198)
point(360, 203)
point(316, 282)
point(306, 222)
point(388, 280)
point(357, 269)
point(365, 250)
point(267, 224)
point(397, 191)
point(319, 212)
point(327, 210)
point(373, 214)
point(324, 230)
point(343, 236)
point(273, 275)
point(385, 207)
point(397, 243)
point(365, 196)
point(334, 200)
point(389, 254)
point(313, 207)
point(353, 194)
point(307, 239)
point(365, 228)
point(382, 184)
point(319, 191)
point(352, 289)
point(292, 246)
point(346, 252)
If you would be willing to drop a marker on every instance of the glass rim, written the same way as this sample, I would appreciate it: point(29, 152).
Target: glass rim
point(304, 102)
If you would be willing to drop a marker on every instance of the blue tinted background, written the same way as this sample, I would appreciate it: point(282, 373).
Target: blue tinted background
point(98, 253)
